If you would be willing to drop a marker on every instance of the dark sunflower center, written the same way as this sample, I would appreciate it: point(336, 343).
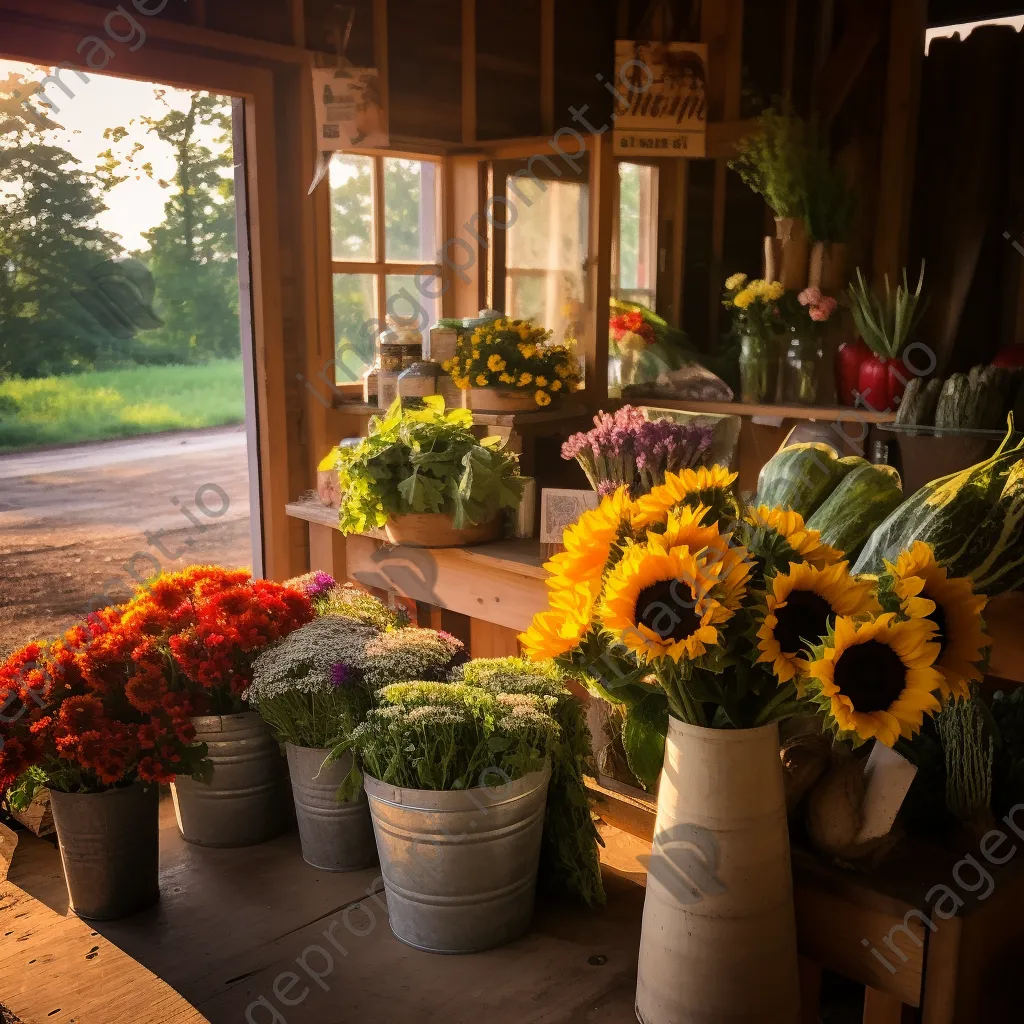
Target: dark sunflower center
point(939, 618)
point(666, 607)
point(803, 619)
point(871, 675)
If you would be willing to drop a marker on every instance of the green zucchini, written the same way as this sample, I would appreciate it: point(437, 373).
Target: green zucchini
point(801, 476)
point(862, 501)
point(973, 520)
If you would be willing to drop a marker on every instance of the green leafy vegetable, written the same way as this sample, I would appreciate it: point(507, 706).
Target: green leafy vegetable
point(425, 460)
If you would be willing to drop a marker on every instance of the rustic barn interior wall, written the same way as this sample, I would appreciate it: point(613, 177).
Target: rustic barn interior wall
point(966, 219)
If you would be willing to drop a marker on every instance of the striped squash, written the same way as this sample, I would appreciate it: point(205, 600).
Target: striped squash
point(974, 521)
point(801, 476)
point(863, 500)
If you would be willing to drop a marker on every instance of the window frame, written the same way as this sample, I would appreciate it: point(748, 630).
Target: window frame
point(380, 268)
point(652, 223)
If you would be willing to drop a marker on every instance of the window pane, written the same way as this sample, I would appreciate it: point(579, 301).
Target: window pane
point(352, 207)
point(355, 313)
point(638, 234)
point(410, 209)
point(408, 301)
point(546, 249)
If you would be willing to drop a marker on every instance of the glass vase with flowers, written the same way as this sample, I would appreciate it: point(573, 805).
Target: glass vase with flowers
point(755, 307)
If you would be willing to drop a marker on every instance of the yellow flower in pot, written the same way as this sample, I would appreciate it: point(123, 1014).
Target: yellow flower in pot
point(510, 365)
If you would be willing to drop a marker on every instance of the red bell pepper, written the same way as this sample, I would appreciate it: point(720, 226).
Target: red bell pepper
point(849, 359)
point(881, 383)
point(1010, 357)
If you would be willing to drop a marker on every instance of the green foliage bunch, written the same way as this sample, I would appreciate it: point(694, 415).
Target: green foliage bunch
point(425, 460)
point(451, 736)
point(788, 164)
point(569, 853)
point(886, 322)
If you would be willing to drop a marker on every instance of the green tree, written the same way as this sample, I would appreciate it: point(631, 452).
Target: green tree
point(50, 244)
point(192, 253)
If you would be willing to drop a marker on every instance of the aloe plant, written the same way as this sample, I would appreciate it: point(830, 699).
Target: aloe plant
point(886, 323)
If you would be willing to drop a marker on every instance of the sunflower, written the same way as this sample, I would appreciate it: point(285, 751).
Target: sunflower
point(800, 604)
point(588, 542)
point(686, 528)
point(560, 629)
point(771, 525)
point(708, 485)
point(656, 604)
point(878, 678)
point(926, 591)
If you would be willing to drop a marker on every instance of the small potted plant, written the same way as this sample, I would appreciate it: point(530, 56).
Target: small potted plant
point(509, 365)
point(190, 638)
point(309, 689)
point(102, 752)
point(424, 477)
point(885, 324)
point(569, 858)
point(457, 780)
point(758, 321)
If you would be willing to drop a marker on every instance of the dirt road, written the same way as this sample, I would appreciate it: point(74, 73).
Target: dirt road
point(77, 524)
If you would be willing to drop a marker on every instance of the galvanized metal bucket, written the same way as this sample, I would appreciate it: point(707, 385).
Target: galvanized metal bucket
point(248, 799)
point(718, 941)
point(335, 836)
point(460, 867)
point(109, 844)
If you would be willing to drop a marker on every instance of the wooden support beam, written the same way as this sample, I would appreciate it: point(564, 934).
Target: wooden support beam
point(468, 71)
point(845, 64)
point(380, 56)
point(465, 287)
point(547, 66)
point(298, 15)
point(604, 177)
point(789, 48)
point(907, 23)
point(722, 30)
point(883, 1008)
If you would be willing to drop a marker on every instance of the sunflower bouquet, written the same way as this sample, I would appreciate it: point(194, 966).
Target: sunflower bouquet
point(688, 601)
point(515, 355)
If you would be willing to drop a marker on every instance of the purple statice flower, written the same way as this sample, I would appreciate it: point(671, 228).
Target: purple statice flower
point(340, 674)
point(320, 584)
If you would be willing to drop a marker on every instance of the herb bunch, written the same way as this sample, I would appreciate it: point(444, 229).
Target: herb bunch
point(569, 855)
point(450, 736)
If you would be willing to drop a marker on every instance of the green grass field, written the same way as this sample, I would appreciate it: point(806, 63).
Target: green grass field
point(121, 403)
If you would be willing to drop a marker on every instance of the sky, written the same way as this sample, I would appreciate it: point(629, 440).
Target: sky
point(137, 204)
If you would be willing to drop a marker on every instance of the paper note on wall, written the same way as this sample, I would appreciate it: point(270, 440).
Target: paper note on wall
point(349, 111)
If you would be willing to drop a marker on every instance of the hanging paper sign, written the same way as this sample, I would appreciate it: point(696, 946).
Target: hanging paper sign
point(661, 108)
point(349, 112)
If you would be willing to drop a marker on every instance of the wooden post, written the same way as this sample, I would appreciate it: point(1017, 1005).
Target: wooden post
point(380, 56)
point(722, 30)
point(547, 66)
point(468, 71)
point(603, 192)
point(327, 551)
point(907, 22)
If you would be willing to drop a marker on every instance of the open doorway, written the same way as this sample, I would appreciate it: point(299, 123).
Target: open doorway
point(123, 402)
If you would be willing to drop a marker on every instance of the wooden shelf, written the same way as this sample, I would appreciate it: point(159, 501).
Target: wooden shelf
point(834, 413)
